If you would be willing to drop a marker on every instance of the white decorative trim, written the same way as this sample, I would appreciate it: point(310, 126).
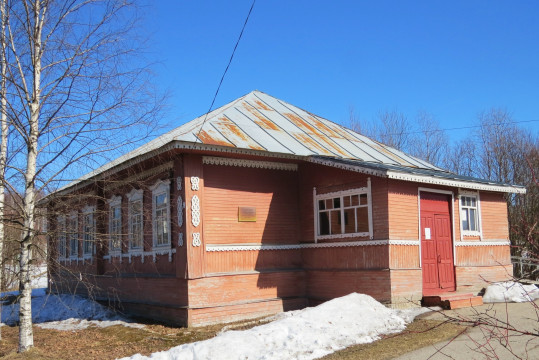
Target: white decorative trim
point(249, 247)
point(135, 194)
point(179, 208)
point(180, 239)
point(213, 160)
point(350, 167)
point(428, 179)
point(196, 240)
point(143, 254)
point(482, 243)
point(195, 211)
point(160, 187)
point(479, 232)
point(179, 182)
point(355, 191)
point(195, 183)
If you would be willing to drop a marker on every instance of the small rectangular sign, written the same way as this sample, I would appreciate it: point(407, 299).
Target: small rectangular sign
point(246, 213)
point(427, 233)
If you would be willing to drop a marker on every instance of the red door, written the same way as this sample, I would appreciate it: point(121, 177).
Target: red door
point(436, 244)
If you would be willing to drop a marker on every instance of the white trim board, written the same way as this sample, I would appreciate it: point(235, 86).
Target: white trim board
point(214, 160)
point(251, 247)
point(482, 243)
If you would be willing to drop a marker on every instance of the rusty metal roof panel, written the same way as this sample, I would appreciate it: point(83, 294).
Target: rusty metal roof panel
point(260, 122)
point(271, 139)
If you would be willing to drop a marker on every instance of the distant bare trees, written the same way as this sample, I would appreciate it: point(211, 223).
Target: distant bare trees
point(496, 149)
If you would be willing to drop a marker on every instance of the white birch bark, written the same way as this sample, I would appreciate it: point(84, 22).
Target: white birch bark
point(3, 136)
point(26, 337)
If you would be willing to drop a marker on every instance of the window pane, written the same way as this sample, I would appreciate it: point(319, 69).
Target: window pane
point(329, 204)
point(337, 203)
point(355, 200)
point(463, 201)
point(323, 223)
point(321, 205)
point(346, 201)
point(473, 222)
point(349, 223)
point(335, 222)
point(464, 216)
point(362, 219)
point(472, 201)
point(363, 199)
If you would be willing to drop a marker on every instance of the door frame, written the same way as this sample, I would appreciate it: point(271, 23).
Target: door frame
point(451, 217)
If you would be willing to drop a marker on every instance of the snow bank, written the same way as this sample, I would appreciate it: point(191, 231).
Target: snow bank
point(302, 334)
point(510, 291)
point(63, 312)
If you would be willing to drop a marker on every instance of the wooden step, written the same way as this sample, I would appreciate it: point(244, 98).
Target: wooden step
point(453, 300)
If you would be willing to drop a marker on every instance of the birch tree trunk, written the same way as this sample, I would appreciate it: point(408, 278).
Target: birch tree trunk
point(26, 336)
point(3, 138)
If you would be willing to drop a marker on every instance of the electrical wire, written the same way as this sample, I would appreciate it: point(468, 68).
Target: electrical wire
point(227, 66)
point(462, 128)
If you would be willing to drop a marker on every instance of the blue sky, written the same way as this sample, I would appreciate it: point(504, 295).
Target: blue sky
point(453, 59)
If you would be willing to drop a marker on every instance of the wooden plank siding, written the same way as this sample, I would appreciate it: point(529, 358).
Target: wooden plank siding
point(274, 194)
point(221, 262)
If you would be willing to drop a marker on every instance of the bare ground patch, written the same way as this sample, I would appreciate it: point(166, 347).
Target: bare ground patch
point(120, 341)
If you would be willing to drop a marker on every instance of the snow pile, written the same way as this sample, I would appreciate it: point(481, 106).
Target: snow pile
point(510, 291)
point(62, 312)
point(302, 334)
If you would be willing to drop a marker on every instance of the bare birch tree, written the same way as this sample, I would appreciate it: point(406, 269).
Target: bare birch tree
point(3, 137)
point(77, 90)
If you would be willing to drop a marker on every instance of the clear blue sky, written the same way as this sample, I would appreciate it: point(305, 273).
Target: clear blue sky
point(453, 59)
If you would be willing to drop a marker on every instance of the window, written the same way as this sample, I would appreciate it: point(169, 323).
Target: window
point(115, 224)
point(469, 214)
point(135, 221)
point(161, 213)
point(61, 231)
point(88, 231)
point(343, 214)
point(73, 235)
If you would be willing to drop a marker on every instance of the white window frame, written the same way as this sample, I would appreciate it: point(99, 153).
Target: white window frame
point(73, 216)
point(159, 188)
point(115, 202)
point(132, 197)
point(88, 236)
point(61, 236)
point(341, 194)
point(479, 231)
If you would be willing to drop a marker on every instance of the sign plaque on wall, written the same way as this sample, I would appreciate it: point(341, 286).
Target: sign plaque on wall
point(246, 213)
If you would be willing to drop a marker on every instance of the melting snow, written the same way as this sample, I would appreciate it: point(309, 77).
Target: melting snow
point(303, 334)
point(63, 312)
point(510, 291)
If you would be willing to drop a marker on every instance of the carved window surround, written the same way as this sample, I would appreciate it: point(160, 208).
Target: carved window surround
point(214, 160)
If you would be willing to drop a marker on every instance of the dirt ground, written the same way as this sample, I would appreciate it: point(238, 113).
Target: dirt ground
point(119, 341)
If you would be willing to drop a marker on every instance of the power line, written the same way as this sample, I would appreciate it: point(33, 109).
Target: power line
point(463, 127)
point(227, 66)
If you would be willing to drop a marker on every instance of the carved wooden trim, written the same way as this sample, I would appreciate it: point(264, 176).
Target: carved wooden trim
point(250, 247)
point(214, 160)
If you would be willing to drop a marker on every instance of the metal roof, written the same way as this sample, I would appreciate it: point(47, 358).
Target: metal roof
point(260, 123)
